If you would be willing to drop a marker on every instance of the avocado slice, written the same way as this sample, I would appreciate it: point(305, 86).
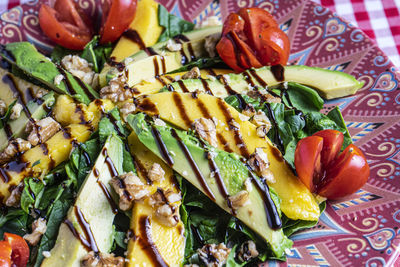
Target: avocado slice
point(141, 66)
point(13, 88)
point(328, 83)
point(226, 169)
point(25, 59)
point(95, 208)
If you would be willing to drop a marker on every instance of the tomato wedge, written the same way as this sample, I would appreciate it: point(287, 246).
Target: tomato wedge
point(326, 171)
point(20, 249)
point(68, 26)
point(252, 38)
point(5, 254)
point(117, 15)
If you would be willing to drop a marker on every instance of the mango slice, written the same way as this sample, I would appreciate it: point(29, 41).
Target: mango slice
point(182, 109)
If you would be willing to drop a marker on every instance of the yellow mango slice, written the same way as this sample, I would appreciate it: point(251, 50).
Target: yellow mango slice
point(151, 87)
point(145, 24)
point(182, 109)
point(169, 241)
point(42, 158)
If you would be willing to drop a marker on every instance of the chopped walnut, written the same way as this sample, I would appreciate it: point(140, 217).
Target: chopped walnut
point(14, 147)
point(58, 79)
point(259, 163)
point(161, 197)
point(79, 67)
point(172, 46)
point(240, 199)
point(16, 111)
point(156, 173)
point(117, 90)
point(127, 108)
point(194, 73)
point(102, 260)
point(210, 44)
point(247, 251)
point(262, 122)
point(39, 93)
point(264, 95)
point(168, 215)
point(249, 111)
point(42, 130)
point(129, 188)
point(39, 227)
point(206, 130)
point(14, 200)
point(214, 255)
point(3, 107)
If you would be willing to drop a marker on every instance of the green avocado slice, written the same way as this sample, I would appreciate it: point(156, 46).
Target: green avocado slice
point(328, 83)
point(94, 207)
point(141, 66)
point(25, 59)
point(164, 142)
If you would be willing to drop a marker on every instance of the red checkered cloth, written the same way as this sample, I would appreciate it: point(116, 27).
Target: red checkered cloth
point(379, 19)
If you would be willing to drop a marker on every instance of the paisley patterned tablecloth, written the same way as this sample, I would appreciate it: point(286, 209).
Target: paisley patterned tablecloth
point(361, 230)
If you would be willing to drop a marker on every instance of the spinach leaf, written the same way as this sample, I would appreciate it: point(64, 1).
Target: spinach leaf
point(337, 117)
point(96, 53)
point(13, 221)
point(201, 63)
point(4, 119)
point(59, 52)
point(32, 192)
point(172, 24)
point(55, 218)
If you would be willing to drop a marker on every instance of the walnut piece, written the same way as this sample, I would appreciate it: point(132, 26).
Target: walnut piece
point(214, 255)
point(240, 199)
point(168, 215)
point(79, 67)
point(127, 108)
point(14, 200)
point(14, 147)
point(264, 95)
point(42, 130)
point(102, 260)
point(210, 44)
point(156, 173)
point(39, 93)
point(206, 130)
point(3, 107)
point(16, 111)
point(249, 111)
point(247, 251)
point(172, 46)
point(262, 122)
point(161, 197)
point(259, 163)
point(166, 211)
point(129, 188)
point(117, 90)
point(194, 73)
point(39, 227)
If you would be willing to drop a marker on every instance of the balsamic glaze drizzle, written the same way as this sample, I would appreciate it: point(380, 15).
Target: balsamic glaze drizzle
point(161, 146)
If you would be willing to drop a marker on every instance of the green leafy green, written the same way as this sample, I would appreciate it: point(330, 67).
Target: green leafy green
point(4, 119)
point(59, 52)
point(13, 221)
point(96, 53)
point(172, 24)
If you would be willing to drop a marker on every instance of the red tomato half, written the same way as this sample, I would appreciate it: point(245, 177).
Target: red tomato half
point(5, 254)
point(20, 249)
point(261, 41)
point(117, 15)
point(326, 171)
point(71, 28)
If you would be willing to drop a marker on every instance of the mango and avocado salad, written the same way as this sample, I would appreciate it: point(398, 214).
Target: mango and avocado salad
point(152, 152)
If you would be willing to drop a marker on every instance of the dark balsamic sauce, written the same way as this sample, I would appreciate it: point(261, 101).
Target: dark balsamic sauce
point(110, 200)
point(161, 146)
point(134, 36)
point(147, 243)
point(228, 88)
point(142, 170)
point(206, 87)
point(146, 105)
point(181, 108)
point(193, 165)
point(277, 138)
point(110, 163)
point(279, 72)
point(274, 221)
point(258, 78)
point(183, 86)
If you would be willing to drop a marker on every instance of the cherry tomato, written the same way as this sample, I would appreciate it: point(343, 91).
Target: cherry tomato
point(326, 171)
point(117, 15)
point(252, 38)
point(5, 254)
point(68, 26)
point(20, 249)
